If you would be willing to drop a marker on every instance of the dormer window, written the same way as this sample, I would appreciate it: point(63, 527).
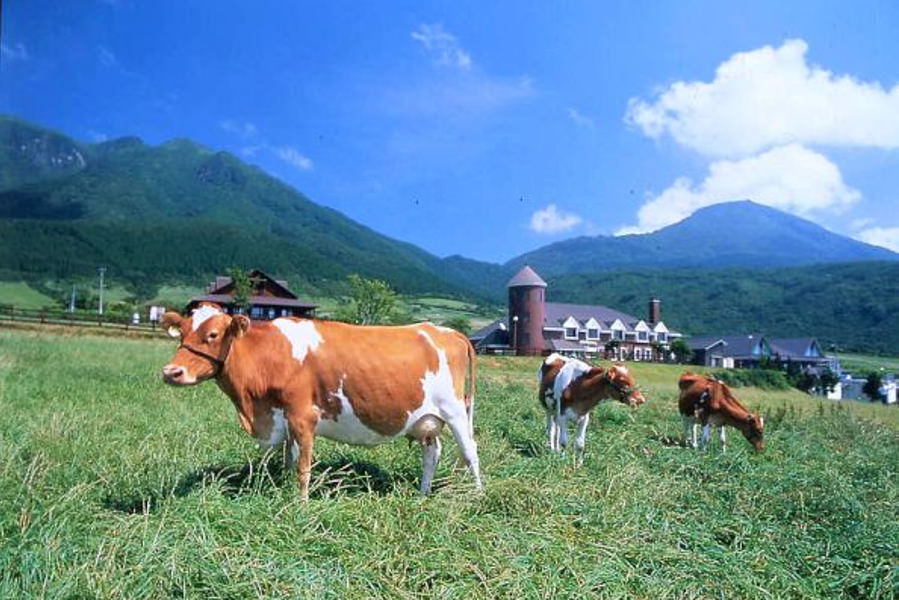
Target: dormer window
point(593, 334)
point(571, 327)
point(571, 333)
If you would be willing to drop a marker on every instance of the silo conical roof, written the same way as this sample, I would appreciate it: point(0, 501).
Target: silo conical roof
point(526, 277)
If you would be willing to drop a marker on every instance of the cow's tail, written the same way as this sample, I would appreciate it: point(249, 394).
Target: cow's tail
point(472, 379)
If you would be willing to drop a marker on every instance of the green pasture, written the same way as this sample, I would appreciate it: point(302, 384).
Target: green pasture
point(21, 295)
point(865, 363)
point(113, 485)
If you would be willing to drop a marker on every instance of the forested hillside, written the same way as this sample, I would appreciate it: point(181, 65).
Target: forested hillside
point(179, 212)
point(855, 306)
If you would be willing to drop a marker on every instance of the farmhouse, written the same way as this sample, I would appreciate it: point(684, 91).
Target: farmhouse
point(268, 298)
point(748, 351)
point(534, 326)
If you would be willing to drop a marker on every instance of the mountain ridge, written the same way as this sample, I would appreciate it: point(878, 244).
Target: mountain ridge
point(152, 214)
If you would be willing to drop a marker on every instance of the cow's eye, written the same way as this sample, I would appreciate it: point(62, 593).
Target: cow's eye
point(212, 335)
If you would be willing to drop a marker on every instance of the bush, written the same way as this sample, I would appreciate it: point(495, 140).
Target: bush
point(760, 378)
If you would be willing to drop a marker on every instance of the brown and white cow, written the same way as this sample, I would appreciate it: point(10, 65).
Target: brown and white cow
point(292, 379)
point(569, 389)
point(706, 401)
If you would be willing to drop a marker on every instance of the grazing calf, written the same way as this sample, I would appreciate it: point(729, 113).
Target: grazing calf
point(706, 401)
point(292, 379)
point(569, 389)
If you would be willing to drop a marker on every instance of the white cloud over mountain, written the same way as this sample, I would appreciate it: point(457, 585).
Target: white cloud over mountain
point(770, 97)
point(765, 118)
point(791, 178)
point(551, 220)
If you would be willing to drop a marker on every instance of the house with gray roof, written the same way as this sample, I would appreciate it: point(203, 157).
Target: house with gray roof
point(750, 350)
point(535, 326)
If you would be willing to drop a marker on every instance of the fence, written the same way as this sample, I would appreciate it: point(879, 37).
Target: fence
point(57, 317)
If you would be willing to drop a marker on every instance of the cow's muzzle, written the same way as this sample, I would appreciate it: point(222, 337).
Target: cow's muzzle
point(177, 375)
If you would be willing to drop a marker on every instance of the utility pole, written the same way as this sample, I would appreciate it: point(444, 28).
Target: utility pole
point(72, 302)
point(101, 271)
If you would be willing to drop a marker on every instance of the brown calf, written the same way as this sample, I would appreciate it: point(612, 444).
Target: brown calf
point(569, 389)
point(706, 401)
point(292, 379)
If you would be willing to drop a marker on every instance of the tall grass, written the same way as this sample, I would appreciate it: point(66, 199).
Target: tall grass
point(113, 485)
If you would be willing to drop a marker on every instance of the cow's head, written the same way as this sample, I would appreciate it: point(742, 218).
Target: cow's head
point(756, 431)
point(206, 337)
point(624, 385)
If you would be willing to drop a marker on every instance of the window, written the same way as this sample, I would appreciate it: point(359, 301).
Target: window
point(617, 335)
point(571, 333)
point(662, 336)
point(641, 335)
point(256, 312)
point(593, 334)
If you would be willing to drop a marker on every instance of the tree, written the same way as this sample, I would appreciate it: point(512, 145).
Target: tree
point(872, 387)
point(827, 381)
point(243, 287)
point(371, 301)
point(459, 323)
point(682, 351)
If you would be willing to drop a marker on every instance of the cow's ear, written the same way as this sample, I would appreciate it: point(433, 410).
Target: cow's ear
point(240, 324)
point(171, 323)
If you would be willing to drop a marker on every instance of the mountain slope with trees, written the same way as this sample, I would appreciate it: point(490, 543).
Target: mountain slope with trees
point(855, 305)
point(178, 212)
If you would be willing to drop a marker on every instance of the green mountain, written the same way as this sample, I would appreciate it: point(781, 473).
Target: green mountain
point(855, 305)
point(180, 212)
point(731, 234)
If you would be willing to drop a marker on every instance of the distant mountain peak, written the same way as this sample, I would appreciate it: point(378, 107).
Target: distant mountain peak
point(741, 233)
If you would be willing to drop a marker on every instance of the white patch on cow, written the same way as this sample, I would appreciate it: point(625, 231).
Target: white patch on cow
point(438, 386)
point(278, 431)
point(570, 371)
point(346, 426)
point(553, 358)
point(302, 335)
point(202, 314)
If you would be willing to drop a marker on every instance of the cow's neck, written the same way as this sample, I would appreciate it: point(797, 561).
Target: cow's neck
point(735, 415)
point(591, 392)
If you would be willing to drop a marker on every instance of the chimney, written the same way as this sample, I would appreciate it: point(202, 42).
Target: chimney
point(655, 311)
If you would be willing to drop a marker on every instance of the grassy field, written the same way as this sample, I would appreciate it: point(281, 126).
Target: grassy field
point(21, 295)
point(864, 363)
point(113, 485)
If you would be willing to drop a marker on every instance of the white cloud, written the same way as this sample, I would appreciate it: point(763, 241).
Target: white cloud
point(242, 129)
point(886, 237)
point(293, 157)
point(552, 220)
point(580, 119)
point(791, 178)
point(14, 52)
point(770, 97)
point(443, 46)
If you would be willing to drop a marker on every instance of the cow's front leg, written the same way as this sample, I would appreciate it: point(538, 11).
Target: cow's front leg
point(551, 430)
point(706, 435)
point(562, 433)
point(580, 439)
point(722, 437)
point(302, 435)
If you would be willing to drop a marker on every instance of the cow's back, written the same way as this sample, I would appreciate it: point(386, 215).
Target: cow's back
point(384, 376)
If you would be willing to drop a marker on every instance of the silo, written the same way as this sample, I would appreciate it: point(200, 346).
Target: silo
point(527, 312)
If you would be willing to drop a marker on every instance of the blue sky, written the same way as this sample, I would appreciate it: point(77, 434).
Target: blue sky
point(491, 128)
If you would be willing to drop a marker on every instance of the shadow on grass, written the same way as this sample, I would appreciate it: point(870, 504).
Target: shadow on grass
point(265, 475)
